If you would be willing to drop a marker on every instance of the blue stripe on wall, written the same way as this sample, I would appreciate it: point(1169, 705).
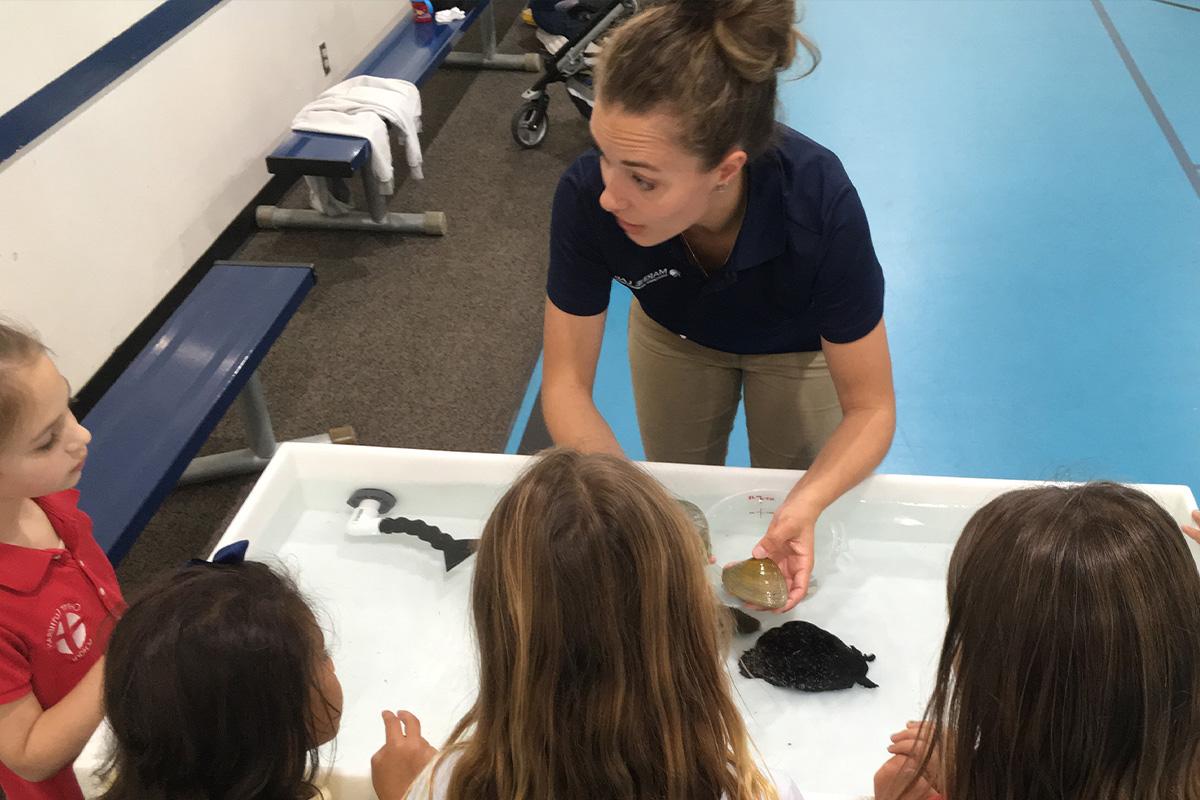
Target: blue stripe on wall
point(57, 99)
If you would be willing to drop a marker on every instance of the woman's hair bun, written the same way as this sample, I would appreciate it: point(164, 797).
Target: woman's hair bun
point(712, 63)
point(702, 13)
point(757, 37)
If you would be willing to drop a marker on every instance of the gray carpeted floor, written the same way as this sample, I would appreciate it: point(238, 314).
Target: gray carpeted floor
point(415, 341)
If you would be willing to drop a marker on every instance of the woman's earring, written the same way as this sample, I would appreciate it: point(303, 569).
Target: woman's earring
point(722, 187)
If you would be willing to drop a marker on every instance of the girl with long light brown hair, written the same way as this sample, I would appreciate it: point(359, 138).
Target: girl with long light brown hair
point(601, 654)
point(1071, 664)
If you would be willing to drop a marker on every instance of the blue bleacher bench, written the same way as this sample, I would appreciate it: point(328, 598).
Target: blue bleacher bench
point(411, 52)
point(149, 425)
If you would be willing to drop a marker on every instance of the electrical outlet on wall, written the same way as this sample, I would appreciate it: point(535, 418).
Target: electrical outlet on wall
point(324, 58)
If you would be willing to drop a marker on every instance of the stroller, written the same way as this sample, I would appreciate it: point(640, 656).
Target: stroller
point(568, 66)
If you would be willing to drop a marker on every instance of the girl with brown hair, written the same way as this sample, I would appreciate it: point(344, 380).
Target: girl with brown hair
point(59, 596)
point(601, 655)
point(219, 686)
point(748, 253)
point(1071, 663)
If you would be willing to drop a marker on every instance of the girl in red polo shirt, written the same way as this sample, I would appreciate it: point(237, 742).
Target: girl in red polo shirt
point(58, 593)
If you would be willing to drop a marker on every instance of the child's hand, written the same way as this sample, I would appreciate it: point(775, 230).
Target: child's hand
point(912, 743)
point(898, 772)
point(1193, 532)
point(397, 764)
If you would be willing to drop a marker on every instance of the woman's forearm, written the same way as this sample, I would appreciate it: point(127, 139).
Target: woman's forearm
point(854, 450)
point(574, 421)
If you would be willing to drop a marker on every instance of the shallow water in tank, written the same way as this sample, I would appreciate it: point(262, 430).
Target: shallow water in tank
point(399, 630)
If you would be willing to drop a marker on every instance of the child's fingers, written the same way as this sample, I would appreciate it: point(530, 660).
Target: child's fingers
point(914, 748)
point(921, 736)
point(412, 725)
point(912, 733)
point(894, 775)
point(922, 729)
point(911, 742)
point(392, 727)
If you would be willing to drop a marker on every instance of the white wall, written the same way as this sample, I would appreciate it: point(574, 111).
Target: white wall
point(42, 39)
point(102, 215)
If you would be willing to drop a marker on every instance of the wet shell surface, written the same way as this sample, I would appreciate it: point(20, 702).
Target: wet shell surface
point(700, 522)
point(758, 581)
point(799, 655)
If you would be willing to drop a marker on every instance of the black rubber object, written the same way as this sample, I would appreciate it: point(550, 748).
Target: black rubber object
point(386, 499)
point(455, 551)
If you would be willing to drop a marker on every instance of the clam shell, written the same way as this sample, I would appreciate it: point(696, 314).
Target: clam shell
point(758, 581)
point(700, 522)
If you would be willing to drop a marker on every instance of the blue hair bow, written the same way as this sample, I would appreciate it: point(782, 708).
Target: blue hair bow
point(228, 556)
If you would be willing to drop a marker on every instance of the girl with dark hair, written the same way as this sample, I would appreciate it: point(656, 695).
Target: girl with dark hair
point(218, 685)
point(601, 654)
point(1071, 663)
point(750, 260)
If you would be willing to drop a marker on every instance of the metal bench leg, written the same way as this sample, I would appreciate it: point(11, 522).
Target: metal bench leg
point(252, 403)
point(489, 58)
point(430, 223)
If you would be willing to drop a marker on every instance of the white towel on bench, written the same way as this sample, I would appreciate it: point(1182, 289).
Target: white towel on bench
point(363, 106)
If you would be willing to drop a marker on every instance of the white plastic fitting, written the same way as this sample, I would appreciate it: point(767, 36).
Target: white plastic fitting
point(364, 520)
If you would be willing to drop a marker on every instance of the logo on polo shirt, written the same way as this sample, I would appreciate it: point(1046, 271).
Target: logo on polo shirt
point(653, 277)
point(67, 634)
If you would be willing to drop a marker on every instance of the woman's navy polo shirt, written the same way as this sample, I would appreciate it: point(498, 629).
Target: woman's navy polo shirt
point(802, 268)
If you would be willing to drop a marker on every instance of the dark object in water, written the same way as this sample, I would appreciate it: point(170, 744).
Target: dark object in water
point(743, 622)
point(799, 655)
point(454, 551)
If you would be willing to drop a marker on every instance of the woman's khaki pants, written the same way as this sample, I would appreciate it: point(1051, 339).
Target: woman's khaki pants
point(687, 397)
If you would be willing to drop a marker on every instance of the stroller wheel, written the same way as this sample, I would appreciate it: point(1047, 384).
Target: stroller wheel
point(530, 124)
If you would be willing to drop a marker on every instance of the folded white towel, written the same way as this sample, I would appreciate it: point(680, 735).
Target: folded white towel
point(364, 106)
point(449, 15)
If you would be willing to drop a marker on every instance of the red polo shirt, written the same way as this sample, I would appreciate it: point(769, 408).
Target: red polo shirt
point(57, 609)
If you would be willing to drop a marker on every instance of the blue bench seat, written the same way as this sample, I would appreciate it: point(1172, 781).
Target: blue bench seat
point(152, 421)
point(411, 52)
point(304, 153)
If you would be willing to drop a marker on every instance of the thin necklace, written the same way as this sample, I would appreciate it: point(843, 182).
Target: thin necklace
point(696, 260)
point(728, 253)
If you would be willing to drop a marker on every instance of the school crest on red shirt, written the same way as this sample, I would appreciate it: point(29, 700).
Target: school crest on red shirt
point(67, 634)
